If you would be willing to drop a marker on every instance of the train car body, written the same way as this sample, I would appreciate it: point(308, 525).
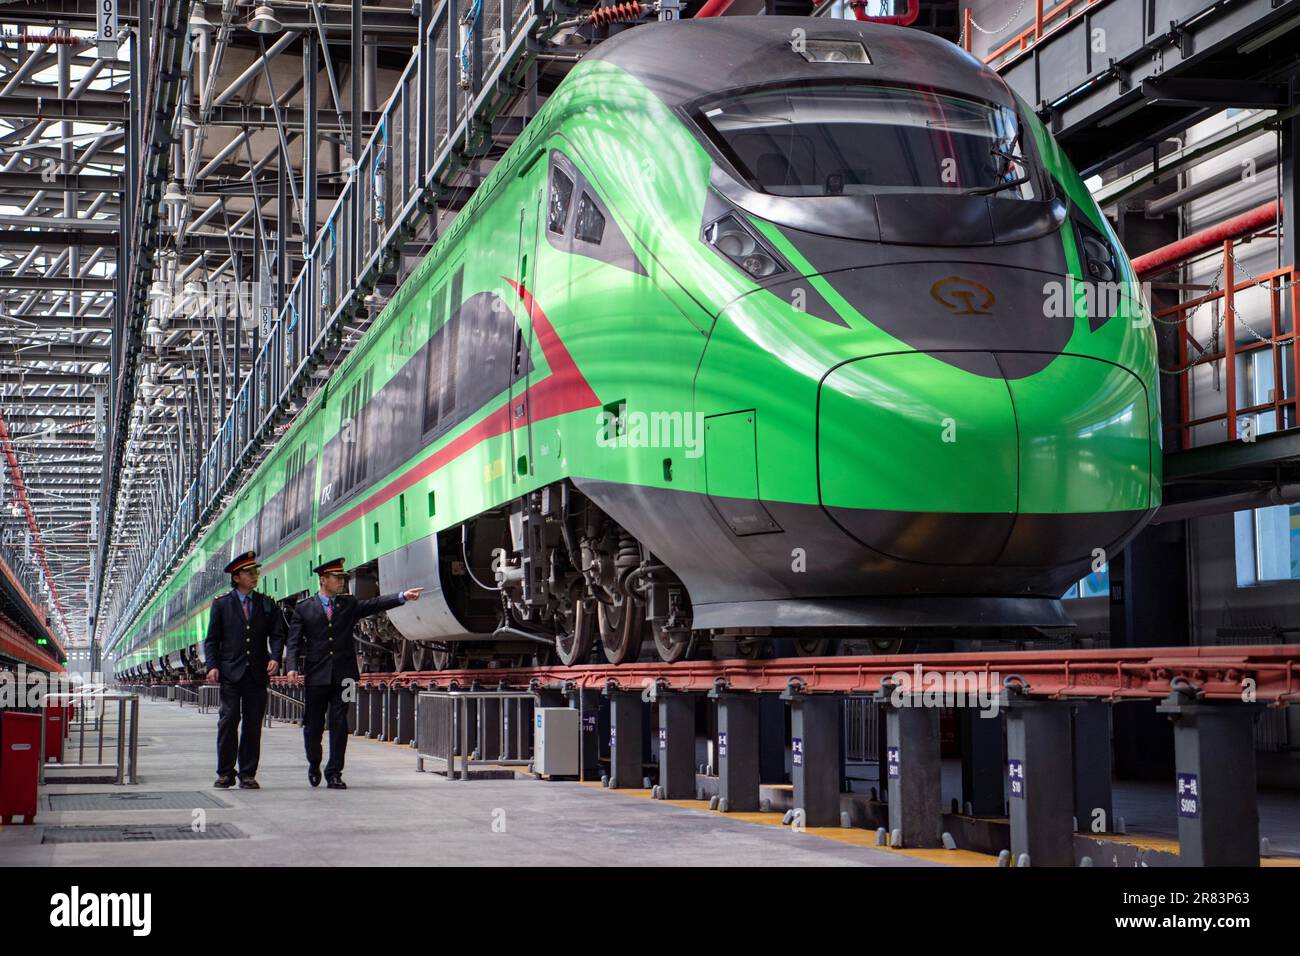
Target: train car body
point(763, 325)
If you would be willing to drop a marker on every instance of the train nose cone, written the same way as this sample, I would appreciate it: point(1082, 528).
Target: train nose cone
point(984, 465)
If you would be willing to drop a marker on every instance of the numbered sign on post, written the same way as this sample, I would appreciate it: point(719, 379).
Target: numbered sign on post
point(106, 28)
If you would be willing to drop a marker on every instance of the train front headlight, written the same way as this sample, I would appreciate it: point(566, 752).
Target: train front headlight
point(738, 243)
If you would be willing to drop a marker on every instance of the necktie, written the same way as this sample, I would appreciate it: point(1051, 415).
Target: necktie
point(329, 609)
point(243, 602)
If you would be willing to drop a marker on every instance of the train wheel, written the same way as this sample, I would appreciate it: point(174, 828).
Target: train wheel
point(421, 655)
point(574, 647)
point(812, 646)
point(444, 660)
point(750, 650)
point(885, 645)
point(621, 630)
point(671, 651)
point(403, 656)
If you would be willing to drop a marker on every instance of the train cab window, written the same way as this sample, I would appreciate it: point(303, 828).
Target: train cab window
point(590, 224)
point(868, 140)
point(557, 214)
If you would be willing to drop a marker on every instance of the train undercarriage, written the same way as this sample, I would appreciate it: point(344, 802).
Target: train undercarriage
point(551, 578)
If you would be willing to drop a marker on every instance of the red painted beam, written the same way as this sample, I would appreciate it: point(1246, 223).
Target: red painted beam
point(20, 490)
point(1166, 257)
point(19, 646)
point(1219, 673)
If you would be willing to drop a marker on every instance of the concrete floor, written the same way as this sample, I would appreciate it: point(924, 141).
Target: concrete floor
point(393, 815)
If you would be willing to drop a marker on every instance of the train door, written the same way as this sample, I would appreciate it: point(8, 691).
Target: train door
point(522, 336)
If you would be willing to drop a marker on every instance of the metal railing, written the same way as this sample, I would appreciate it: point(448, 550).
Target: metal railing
point(1047, 20)
point(289, 707)
point(861, 730)
point(481, 728)
point(88, 707)
point(441, 108)
point(1282, 287)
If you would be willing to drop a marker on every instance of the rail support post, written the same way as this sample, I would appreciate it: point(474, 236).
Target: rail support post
point(738, 749)
point(1041, 784)
point(913, 770)
point(1214, 759)
point(982, 761)
point(490, 720)
point(406, 715)
point(625, 738)
point(771, 739)
point(375, 725)
point(816, 759)
point(390, 712)
point(676, 744)
point(587, 702)
point(1093, 796)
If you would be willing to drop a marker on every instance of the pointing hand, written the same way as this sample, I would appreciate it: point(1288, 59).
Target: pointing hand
point(412, 594)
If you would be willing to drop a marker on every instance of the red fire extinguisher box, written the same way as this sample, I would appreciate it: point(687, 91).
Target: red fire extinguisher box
point(20, 748)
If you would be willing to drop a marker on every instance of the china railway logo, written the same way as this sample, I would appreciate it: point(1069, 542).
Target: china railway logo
point(962, 296)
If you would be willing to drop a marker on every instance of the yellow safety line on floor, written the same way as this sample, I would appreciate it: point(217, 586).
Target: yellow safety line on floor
point(854, 836)
point(1141, 841)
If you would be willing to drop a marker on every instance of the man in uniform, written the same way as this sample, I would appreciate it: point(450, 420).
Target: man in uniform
point(321, 647)
point(242, 650)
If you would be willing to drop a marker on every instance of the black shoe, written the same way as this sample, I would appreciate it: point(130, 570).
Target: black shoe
point(225, 781)
point(313, 776)
point(335, 782)
point(248, 783)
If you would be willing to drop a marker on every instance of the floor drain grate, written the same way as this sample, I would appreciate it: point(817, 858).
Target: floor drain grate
point(141, 834)
point(149, 800)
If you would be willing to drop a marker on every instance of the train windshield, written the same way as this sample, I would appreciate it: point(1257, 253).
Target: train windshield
point(860, 140)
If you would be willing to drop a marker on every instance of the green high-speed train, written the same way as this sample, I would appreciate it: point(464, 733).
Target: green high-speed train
point(764, 327)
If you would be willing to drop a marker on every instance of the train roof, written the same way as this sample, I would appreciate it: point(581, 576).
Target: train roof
point(685, 60)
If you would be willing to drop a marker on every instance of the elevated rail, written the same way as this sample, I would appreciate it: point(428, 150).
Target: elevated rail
point(1271, 673)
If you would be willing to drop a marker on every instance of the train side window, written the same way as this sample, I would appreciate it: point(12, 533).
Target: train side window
point(558, 208)
point(437, 346)
point(590, 225)
point(447, 406)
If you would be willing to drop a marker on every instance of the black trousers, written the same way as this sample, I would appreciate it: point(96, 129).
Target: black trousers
point(320, 700)
point(239, 724)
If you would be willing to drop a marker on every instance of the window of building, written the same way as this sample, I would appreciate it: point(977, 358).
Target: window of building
point(1096, 584)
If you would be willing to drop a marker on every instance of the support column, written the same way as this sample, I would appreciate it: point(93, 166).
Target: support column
point(405, 715)
point(771, 739)
point(1214, 761)
point(1093, 798)
point(1039, 771)
point(815, 755)
point(913, 770)
point(739, 751)
point(375, 723)
point(625, 738)
point(489, 729)
point(676, 745)
point(588, 702)
point(983, 763)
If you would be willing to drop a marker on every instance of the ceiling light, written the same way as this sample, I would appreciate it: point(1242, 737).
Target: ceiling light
point(264, 20)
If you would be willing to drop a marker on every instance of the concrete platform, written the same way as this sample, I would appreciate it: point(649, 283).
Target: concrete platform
point(392, 814)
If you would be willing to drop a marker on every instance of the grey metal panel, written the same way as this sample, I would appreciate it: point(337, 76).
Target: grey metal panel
point(1124, 33)
point(162, 800)
point(1062, 63)
point(430, 618)
point(140, 834)
point(1164, 12)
